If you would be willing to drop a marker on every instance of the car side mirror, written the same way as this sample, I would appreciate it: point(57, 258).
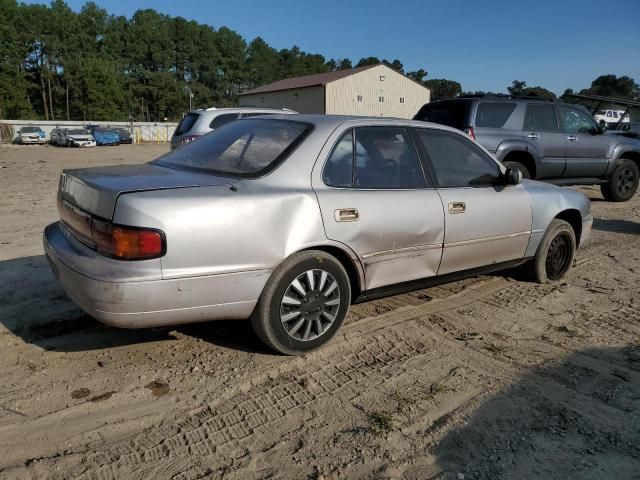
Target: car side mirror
point(512, 176)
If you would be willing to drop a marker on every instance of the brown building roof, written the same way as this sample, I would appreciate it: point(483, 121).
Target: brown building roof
point(307, 80)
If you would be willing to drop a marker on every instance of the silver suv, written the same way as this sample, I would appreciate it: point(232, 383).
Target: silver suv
point(552, 141)
point(200, 122)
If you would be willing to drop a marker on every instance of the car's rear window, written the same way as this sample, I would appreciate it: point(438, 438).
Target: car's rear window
point(494, 114)
point(223, 119)
point(186, 123)
point(453, 113)
point(245, 148)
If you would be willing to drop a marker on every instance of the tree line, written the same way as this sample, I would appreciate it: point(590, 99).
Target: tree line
point(57, 64)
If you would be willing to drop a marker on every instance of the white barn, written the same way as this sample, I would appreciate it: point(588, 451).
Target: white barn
point(374, 90)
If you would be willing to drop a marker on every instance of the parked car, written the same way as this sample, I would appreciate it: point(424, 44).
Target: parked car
point(199, 122)
point(288, 219)
point(76, 137)
point(123, 135)
point(55, 136)
point(30, 136)
point(551, 141)
point(610, 118)
point(105, 136)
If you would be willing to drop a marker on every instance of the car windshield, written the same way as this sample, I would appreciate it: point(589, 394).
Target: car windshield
point(30, 130)
point(102, 130)
point(246, 148)
point(77, 131)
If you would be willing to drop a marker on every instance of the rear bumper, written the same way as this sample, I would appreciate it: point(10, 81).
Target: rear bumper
point(145, 300)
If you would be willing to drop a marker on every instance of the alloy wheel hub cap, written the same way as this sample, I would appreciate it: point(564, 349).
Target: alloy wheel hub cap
point(310, 305)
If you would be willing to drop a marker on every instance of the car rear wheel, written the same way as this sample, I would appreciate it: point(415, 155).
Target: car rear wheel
point(303, 304)
point(623, 183)
point(518, 166)
point(555, 253)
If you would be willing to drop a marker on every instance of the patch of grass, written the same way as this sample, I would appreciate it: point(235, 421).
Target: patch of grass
point(380, 422)
point(434, 389)
point(403, 400)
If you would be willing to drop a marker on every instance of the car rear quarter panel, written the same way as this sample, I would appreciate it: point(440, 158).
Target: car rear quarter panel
point(213, 230)
point(547, 201)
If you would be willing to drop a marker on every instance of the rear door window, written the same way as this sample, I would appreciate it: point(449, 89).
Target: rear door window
point(385, 158)
point(186, 123)
point(494, 114)
point(453, 113)
point(338, 170)
point(541, 118)
point(223, 119)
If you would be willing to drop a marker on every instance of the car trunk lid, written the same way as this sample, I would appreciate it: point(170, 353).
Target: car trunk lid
point(96, 190)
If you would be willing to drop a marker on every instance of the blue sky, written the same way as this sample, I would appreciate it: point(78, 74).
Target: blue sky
point(483, 45)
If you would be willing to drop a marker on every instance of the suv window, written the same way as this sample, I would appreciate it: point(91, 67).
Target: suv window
point(576, 121)
point(246, 148)
point(457, 161)
point(186, 123)
point(255, 114)
point(493, 115)
point(453, 113)
point(223, 120)
point(540, 118)
point(385, 158)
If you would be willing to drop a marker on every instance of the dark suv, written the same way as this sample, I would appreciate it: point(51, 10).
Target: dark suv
point(547, 140)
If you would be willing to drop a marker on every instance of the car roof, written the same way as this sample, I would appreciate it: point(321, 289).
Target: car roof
point(334, 121)
point(216, 111)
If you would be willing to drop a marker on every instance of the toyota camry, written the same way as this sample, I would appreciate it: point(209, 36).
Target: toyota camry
point(287, 220)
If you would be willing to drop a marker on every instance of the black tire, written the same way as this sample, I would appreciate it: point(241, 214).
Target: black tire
point(623, 183)
point(267, 318)
point(518, 166)
point(555, 253)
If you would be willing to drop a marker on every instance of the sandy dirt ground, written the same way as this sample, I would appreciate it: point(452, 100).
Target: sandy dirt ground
point(491, 377)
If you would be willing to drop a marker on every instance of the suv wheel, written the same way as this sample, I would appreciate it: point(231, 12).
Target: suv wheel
point(518, 166)
point(303, 304)
point(623, 183)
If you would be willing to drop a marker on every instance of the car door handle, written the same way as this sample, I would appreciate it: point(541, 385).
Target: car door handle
point(346, 215)
point(533, 136)
point(572, 138)
point(457, 207)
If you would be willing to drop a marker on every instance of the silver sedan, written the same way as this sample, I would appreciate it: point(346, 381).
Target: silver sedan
point(287, 221)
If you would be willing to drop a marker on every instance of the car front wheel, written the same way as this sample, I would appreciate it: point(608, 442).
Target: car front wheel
point(623, 183)
point(555, 253)
point(303, 303)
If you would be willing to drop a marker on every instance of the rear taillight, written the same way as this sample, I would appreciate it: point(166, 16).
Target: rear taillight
point(118, 241)
point(189, 138)
point(127, 243)
point(469, 131)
